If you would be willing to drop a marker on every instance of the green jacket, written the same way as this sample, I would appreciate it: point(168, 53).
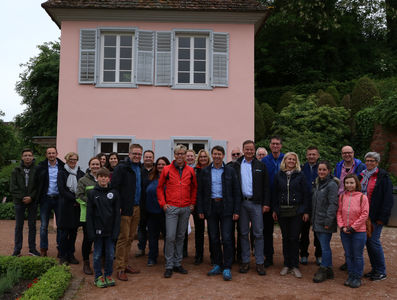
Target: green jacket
point(18, 189)
point(85, 184)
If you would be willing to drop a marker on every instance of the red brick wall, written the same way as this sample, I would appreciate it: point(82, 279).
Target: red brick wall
point(379, 140)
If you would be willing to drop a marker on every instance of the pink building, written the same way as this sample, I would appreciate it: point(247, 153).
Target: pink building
point(156, 73)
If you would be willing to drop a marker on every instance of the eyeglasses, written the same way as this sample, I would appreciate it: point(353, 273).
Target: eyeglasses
point(236, 154)
point(136, 153)
point(180, 153)
point(370, 160)
point(347, 153)
point(72, 159)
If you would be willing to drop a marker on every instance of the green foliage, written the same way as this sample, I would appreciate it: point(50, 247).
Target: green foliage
point(52, 284)
point(7, 212)
point(387, 112)
point(5, 175)
point(38, 87)
point(32, 266)
point(387, 86)
point(285, 100)
point(334, 92)
point(264, 117)
point(303, 123)
point(365, 121)
point(10, 142)
point(9, 280)
point(364, 94)
point(326, 99)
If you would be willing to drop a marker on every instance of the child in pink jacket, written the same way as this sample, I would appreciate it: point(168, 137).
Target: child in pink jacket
point(351, 217)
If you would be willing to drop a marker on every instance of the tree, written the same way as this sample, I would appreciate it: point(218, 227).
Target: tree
point(38, 87)
point(10, 144)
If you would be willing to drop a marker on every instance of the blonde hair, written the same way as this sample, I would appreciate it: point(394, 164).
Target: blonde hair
point(297, 165)
point(180, 147)
point(70, 154)
point(198, 156)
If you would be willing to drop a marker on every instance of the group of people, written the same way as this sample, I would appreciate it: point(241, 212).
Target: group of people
point(114, 200)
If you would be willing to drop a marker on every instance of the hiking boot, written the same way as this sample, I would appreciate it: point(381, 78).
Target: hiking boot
point(110, 281)
point(100, 282)
point(216, 270)
point(34, 252)
point(320, 275)
point(43, 252)
point(168, 273)
point(227, 275)
point(297, 273)
point(260, 268)
point(86, 268)
point(303, 260)
point(244, 268)
point(284, 271)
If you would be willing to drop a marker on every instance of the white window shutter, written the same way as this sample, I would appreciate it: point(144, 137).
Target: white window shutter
point(163, 58)
point(145, 59)
point(220, 59)
point(87, 62)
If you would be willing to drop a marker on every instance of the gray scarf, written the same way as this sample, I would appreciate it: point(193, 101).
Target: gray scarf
point(71, 182)
point(366, 176)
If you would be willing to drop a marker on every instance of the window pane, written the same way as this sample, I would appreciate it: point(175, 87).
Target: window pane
point(199, 42)
point(199, 54)
point(125, 64)
point(183, 77)
point(110, 40)
point(109, 64)
point(199, 66)
point(122, 147)
point(109, 76)
point(106, 147)
point(125, 76)
point(184, 42)
point(199, 77)
point(184, 54)
point(198, 147)
point(125, 40)
point(110, 52)
point(183, 65)
point(125, 52)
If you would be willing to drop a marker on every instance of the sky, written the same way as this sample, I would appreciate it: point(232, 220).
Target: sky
point(24, 25)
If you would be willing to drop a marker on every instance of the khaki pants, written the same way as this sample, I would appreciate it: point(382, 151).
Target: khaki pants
point(128, 228)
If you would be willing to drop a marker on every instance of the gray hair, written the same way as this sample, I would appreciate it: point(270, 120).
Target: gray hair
point(374, 155)
point(180, 147)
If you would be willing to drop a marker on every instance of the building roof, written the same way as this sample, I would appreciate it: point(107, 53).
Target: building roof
point(193, 5)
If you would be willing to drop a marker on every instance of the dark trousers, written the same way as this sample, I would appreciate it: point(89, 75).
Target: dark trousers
point(268, 229)
point(199, 226)
point(218, 225)
point(236, 246)
point(101, 243)
point(155, 225)
point(48, 204)
point(19, 220)
point(290, 229)
point(86, 246)
point(142, 234)
point(67, 240)
point(304, 241)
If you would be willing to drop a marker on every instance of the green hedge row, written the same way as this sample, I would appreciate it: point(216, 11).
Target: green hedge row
point(7, 212)
point(32, 266)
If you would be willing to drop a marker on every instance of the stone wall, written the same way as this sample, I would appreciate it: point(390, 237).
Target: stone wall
point(379, 140)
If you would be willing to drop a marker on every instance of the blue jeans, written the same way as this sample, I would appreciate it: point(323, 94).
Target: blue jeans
point(290, 230)
point(353, 244)
point(19, 220)
point(46, 205)
point(375, 250)
point(218, 225)
point(99, 244)
point(325, 240)
point(155, 225)
point(251, 212)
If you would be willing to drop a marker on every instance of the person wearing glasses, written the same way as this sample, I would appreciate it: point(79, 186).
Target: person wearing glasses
point(127, 180)
point(236, 153)
point(261, 152)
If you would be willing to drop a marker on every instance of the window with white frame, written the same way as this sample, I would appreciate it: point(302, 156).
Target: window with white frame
point(193, 144)
point(119, 146)
point(117, 59)
point(191, 60)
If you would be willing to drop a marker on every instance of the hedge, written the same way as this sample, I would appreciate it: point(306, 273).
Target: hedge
point(7, 212)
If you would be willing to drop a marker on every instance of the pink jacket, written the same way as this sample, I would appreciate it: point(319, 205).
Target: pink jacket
point(351, 213)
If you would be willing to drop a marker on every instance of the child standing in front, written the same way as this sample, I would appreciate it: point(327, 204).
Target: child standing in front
point(351, 216)
point(103, 226)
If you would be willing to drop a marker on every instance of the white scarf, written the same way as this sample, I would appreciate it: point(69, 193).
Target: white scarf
point(71, 182)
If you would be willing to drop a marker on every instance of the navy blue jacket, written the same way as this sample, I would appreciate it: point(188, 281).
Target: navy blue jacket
point(310, 175)
point(230, 192)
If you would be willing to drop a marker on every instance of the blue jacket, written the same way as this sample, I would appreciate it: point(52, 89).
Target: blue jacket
point(272, 166)
point(359, 166)
point(149, 197)
point(310, 175)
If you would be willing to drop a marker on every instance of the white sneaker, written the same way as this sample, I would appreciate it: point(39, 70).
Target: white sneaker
point(296, 272)
point(284, 271)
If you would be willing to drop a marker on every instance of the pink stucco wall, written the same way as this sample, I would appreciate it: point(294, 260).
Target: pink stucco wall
point(152, 112)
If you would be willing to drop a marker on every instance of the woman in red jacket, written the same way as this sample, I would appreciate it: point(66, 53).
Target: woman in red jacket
point(351, 216)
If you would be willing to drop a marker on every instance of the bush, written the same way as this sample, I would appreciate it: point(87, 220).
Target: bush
point(326, 99)
point(5, 175)
point(363, 94)
point(365, 121)
point(386, 112)
point(285, 100)
point(9, 280)
point(334, 93)
point(52, 284)
point(32, 267)
point(7, 212)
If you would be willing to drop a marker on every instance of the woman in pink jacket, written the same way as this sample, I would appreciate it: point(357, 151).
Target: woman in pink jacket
point(351, 216)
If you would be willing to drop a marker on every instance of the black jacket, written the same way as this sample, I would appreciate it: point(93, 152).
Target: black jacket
point(124, 181)
point(18, 188)
point(230, 192)
point(260, 181)
point(69, 209)
point(296, 194)
point(381, 202)
point(103, 213)
point(43, 178)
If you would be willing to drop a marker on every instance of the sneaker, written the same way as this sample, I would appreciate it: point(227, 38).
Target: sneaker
point(216, 270)
point(284, 271)
point(100, 282)
point(227, 275)
point(16, 253)
point(370, 274)
point(297, 273)
point(378, 277)
point(303, 260)
point(343, 267)
point(180, 269)
point(110, 281)
point(168, 273)
point(151, 262)
point(34, 252)
point(244, 268)
point(260, 268)
point(140, 253)
point(319, 260)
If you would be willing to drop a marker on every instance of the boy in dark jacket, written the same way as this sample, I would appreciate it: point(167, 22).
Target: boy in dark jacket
point(103, 226)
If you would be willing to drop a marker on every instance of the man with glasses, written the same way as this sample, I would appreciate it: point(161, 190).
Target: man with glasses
point(236, 153)
point(176, 193)
point(127, 180)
